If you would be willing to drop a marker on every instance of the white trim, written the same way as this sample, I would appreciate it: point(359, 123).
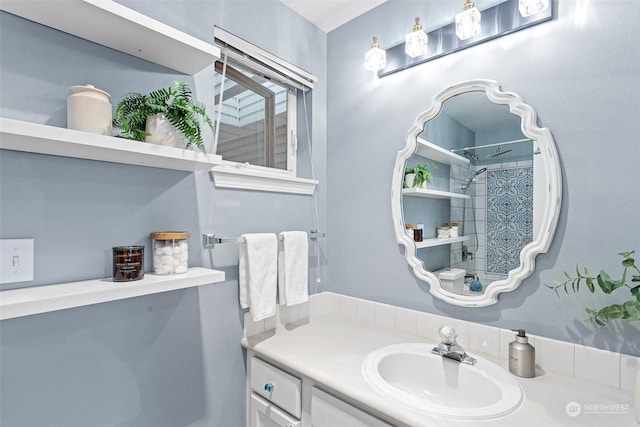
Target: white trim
point(278, 66)
point(551, 200)
point(292, 137)
point(249, 177)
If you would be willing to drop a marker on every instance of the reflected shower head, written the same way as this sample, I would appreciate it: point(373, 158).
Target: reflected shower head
point(500, 152)
point(468, 183)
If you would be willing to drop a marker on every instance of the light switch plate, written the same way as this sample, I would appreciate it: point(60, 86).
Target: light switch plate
point(16, 260)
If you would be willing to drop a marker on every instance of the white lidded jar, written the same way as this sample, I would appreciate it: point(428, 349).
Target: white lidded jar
point(89, 110)
point(170, 252)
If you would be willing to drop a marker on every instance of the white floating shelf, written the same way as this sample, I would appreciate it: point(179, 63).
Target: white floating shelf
point(433, 194)
point(428, 243)
point(442, 155)
point(43, 299)
point(113, 25)
point(37, 138)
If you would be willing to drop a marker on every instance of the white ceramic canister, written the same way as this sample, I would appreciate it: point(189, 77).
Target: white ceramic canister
point(170, 252)
point(89, 110)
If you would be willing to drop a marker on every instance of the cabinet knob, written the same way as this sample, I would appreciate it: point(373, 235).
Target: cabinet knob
point(269, 387)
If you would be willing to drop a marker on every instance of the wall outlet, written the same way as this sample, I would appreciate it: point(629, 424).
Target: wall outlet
point(16, 260)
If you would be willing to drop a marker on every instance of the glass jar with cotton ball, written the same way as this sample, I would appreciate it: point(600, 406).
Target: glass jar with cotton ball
point(170, 252)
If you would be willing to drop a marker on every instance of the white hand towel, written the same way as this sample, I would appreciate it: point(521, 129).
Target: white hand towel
point(293, 260)
point(258, 274)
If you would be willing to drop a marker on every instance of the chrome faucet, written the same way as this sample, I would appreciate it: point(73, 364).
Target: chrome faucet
point(449, 348)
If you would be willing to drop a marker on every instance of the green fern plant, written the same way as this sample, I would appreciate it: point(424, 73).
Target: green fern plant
point(422, 174)
point(175, 103)
point(629, 310)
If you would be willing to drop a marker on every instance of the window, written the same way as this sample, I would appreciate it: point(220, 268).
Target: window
point(257, 120)
point(256, 98)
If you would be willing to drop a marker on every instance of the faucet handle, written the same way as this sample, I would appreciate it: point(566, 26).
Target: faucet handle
point(447, 334)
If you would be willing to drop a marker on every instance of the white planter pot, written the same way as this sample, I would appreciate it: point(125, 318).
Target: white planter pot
point(162, 132)
point(408, 181)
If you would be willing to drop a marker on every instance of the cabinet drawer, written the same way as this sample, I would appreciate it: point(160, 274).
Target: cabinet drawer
point(277, 386)
point(265, 414)
point(329, 411)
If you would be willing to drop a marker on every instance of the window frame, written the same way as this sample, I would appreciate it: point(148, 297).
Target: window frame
point(236, 175)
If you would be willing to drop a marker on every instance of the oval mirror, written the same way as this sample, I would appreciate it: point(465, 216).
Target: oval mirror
point(492, 196)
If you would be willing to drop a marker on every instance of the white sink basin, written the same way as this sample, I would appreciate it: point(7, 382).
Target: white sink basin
point(411, 376)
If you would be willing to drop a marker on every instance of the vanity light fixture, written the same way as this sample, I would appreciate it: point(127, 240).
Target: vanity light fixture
point(416, 43)
point(531, 7)
point(501, 19)
point(468, 21)
point(375, 59)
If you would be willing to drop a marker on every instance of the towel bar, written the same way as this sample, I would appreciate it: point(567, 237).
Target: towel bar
point(209, 241)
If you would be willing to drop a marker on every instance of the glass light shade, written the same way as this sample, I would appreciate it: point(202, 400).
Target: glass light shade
point(468, 22)
point(375, 59)
point(416, 43)
point(531, 7)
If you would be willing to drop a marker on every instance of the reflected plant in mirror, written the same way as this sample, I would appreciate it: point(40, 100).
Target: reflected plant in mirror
point(498, 179)
point(418, 176)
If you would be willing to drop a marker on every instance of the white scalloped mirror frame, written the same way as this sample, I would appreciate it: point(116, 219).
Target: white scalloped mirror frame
point(550, 206)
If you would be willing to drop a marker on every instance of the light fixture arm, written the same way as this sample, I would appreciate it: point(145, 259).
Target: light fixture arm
point(468, 5)
point(417, 26)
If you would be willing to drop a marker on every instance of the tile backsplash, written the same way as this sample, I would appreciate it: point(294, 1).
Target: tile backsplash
point(558, 357)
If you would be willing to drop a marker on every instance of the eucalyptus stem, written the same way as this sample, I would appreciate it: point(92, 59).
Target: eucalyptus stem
point(629, 310)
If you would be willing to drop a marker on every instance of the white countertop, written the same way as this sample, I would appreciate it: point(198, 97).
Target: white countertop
point(330, 353)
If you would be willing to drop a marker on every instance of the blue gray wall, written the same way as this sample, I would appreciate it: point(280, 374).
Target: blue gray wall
point(579, 72)
point(172, 359)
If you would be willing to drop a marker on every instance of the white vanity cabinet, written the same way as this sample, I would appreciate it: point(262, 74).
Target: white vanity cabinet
point(276, 398)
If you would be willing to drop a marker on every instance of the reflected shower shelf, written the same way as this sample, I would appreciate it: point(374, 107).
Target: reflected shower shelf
point(439, 154)
point(428, 243)
point(43, 299)
point(43, 139)
point(433, 194)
